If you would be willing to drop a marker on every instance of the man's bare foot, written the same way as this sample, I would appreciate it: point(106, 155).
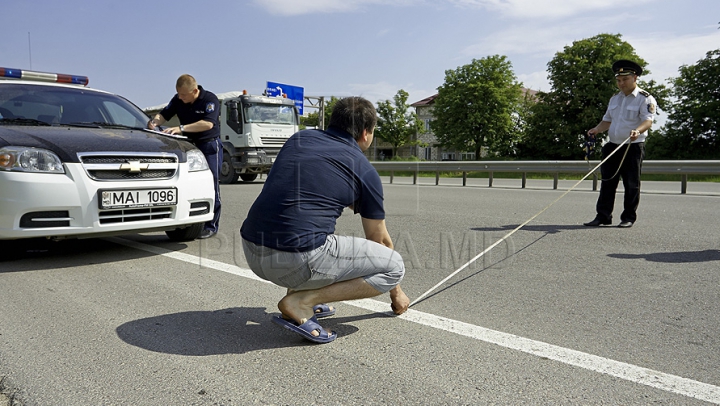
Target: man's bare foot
point(294, 308)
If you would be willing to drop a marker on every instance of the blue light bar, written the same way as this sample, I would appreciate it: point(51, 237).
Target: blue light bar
point(44, 76)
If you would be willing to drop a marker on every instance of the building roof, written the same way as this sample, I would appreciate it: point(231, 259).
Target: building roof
point(425, 102)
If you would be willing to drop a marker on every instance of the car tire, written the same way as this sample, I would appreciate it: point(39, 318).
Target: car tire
point(248, 177)
point(186, 233)
point(227, 173)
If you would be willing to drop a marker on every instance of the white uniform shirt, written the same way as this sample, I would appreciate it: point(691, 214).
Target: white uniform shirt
point(626, 113)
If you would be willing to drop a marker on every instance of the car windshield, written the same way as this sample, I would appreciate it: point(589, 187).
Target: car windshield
point(26, 104)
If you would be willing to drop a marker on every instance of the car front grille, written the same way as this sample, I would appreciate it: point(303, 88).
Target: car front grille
point(112, 166)
point(135, 214)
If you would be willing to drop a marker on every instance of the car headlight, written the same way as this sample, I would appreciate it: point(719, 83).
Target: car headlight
point(196, 161)
point(27, 159)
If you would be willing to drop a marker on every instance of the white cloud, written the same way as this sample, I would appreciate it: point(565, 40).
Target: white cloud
point(665, 60)
point(522, 9)
point(298, 7)
point(525, 9)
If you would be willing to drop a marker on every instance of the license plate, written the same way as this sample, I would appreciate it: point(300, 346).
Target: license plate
point(117, 199)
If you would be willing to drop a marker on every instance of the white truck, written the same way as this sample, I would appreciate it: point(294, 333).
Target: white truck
point(252, 130)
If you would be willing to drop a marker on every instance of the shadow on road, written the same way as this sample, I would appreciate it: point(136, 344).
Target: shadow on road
point(545, 228)
point(36, 254)
point(674, 257)
point(226, 331)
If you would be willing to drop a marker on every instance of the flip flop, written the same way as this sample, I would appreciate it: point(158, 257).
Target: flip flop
point(306, 329)
point(324, 311)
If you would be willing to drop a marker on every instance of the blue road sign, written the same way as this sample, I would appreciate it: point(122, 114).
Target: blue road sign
point(293, 93)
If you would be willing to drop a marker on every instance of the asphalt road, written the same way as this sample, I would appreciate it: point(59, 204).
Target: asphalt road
point(557, 313)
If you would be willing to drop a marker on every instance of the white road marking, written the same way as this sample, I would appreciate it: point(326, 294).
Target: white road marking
point(633, 373)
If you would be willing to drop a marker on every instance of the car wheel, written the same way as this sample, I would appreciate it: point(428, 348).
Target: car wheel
point(248, 177)
point(227, 171)
point(185, 234)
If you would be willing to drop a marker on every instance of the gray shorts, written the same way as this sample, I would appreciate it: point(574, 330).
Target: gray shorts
point(341, 258)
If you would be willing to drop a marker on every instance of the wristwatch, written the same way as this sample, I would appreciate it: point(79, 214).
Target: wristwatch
point(182, 128)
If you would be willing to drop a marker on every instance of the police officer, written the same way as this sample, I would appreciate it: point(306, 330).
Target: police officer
point(629, 115)
point(198, 111)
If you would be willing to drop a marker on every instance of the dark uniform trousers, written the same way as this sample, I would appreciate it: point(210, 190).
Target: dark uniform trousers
point(630, 168)
point(213, 152)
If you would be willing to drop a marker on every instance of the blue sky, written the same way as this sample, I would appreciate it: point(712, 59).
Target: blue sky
point(370, 48)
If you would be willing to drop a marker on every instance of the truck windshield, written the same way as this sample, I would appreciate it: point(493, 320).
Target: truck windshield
point(269, 114)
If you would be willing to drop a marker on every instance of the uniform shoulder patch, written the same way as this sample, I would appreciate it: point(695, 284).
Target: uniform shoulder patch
point(651, 108)
point(645, 93)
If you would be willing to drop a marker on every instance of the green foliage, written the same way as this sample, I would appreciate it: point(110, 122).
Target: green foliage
point(474, 107)
point(329, 105)
point(582, 82)
point(313, 119)
point(692, 128)
point(396, 125)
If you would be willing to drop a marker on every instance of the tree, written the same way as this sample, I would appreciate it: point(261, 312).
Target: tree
point(581, 82)
point(474, 106)
point(396, 125)
point(692, 128)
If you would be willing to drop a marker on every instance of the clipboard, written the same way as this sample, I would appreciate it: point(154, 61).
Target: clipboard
point(180, 137)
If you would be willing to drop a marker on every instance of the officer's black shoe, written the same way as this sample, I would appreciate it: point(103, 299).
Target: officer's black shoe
point(206, 233)
point(597, 222)
point(625, 224)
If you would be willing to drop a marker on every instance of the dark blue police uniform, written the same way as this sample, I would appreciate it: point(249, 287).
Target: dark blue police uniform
point(206, 107)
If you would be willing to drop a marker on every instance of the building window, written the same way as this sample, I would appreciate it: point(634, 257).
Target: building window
point(427, 124)
point(448, 156)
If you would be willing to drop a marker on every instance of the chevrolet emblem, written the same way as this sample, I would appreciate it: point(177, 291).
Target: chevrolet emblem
point(133, 166)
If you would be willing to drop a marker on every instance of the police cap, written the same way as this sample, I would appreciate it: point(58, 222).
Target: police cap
point(624, 67)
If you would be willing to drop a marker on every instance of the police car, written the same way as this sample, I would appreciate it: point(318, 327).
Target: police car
point(76, 162)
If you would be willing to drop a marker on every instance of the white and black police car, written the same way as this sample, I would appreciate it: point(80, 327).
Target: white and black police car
point(77, 162)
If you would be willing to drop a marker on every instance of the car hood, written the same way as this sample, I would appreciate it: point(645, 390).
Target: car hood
point(67, 142)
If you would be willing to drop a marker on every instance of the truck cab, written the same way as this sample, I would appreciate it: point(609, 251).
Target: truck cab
point(252, 130)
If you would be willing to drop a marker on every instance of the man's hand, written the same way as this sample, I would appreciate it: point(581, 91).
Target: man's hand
point(634, 134)
point(400, 301)
point(173, 131)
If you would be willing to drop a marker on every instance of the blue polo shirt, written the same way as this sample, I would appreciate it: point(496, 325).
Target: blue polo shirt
point(205, 107)
point(315, 176)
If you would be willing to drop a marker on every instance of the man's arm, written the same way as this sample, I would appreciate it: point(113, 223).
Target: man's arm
point(375, 230)
point(603, 126)
point(644, 126)
point(195, 127)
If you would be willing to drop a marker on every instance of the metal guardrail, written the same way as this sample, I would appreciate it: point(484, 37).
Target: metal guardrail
point(682, 168)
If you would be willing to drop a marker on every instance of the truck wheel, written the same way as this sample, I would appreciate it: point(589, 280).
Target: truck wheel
point(227, 173)
point(185, 234)
point(248, 177)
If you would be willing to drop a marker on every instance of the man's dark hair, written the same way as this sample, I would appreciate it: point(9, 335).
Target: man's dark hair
point(354, 114)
